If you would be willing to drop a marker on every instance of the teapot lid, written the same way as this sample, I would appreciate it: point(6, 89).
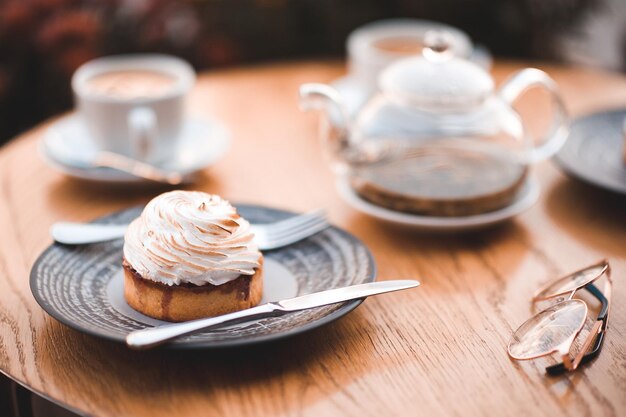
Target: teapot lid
point(437, 79)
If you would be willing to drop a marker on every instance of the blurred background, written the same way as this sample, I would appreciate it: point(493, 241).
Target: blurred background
point(42, 42)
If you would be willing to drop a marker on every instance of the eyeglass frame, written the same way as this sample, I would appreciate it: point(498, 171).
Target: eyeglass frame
point(596, 333)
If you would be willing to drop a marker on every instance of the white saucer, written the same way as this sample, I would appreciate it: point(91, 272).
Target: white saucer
point(66, 146)
point(527, 196)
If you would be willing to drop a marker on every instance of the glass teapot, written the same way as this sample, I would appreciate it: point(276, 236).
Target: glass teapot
point(437, 128)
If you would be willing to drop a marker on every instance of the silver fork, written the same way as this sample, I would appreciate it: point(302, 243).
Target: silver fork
point(267, 235)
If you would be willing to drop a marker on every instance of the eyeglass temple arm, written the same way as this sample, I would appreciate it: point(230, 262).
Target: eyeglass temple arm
point(598, 329)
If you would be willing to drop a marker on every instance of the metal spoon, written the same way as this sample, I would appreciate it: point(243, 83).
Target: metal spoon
point(137, 168)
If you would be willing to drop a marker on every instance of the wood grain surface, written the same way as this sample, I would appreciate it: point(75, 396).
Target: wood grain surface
point(438, 350)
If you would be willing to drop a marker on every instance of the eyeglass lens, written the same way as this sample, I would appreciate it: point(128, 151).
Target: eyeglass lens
point(545, 332)
point(572, 282)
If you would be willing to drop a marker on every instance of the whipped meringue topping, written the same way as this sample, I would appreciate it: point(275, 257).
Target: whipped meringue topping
point(191, 237)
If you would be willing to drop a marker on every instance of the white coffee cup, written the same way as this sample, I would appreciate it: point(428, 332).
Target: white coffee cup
point(144, 125)
point(367, 57)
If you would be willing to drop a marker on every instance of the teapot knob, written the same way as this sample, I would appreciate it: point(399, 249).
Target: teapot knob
point(437, 46)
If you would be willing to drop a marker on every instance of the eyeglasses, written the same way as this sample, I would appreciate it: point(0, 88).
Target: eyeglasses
point(554, 329)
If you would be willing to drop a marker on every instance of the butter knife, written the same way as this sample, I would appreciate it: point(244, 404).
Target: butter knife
point(154, 336)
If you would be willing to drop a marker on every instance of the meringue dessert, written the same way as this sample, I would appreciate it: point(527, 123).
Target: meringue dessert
point(190, 255)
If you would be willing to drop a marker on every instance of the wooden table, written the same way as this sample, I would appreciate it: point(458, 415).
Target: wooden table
point(438, 350)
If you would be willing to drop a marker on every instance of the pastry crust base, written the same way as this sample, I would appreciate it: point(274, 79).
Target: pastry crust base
point(188, 301)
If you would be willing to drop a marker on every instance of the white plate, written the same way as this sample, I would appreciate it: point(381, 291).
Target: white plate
point(67, 145)
point(527, 196)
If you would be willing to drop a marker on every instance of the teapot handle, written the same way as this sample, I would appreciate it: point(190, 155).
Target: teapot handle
point(529, 78)
point(324, 97)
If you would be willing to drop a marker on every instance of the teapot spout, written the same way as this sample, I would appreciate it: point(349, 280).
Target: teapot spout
point(323, 97)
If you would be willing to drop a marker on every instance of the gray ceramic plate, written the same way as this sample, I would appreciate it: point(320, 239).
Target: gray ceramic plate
point(594, 151)
point(82, 286)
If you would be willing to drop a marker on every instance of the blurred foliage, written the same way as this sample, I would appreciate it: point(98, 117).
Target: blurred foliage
point(42, 42)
